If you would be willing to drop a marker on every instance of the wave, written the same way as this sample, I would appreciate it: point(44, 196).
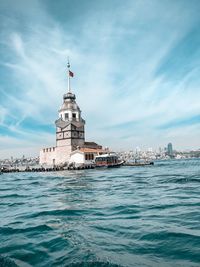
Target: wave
point(14, 195)
point(7, 262)
point(64, 212)
point(178, 179)
point(101, 218)
point(93, 264)
point(38, 228)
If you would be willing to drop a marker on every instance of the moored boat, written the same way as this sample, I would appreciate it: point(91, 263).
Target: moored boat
point(138, 163)
point(108, 160)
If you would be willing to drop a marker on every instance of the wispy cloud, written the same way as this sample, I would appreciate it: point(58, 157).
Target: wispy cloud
point(136, 71)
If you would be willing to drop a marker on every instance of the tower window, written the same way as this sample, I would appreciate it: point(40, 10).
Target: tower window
point(74, 115)
point(66, 116)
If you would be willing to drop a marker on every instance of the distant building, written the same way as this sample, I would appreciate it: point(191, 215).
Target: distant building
point(70, 133)
point(170, 150)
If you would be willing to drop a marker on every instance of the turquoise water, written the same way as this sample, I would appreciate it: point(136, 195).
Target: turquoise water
point(128, 216)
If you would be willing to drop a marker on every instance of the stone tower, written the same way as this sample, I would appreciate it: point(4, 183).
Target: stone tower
point(70, 135)
point(70, 132)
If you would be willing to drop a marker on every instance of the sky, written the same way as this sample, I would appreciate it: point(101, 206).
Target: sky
point(136, 66)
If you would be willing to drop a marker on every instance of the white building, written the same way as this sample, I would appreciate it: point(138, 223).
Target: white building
point(70, 131)
point(85, 155)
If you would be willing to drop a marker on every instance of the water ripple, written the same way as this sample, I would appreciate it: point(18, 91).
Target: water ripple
point(103, 218)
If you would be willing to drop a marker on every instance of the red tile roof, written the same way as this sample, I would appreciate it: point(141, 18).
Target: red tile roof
point(92, 150)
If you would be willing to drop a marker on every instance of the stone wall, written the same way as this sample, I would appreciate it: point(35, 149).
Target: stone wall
point(48, 156)
point(55, 155)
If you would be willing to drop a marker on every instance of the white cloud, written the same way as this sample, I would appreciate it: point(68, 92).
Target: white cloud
point(114, 60)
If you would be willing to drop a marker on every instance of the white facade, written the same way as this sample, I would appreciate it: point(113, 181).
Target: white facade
point(79, 158)
point(85, 156)
point(54, 155)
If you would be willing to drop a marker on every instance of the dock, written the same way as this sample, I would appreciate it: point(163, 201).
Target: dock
point(50, 169)
point(61, 168)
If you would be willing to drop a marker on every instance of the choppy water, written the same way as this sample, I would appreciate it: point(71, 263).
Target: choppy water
point(141, 216)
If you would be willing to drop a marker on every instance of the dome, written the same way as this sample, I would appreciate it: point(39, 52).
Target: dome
point(69, 102)
point(67, 106)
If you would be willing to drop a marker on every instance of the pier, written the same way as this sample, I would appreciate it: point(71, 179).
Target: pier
point(49, 169)
point(68, 168)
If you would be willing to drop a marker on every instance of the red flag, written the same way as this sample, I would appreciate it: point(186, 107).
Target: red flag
point(71, 74)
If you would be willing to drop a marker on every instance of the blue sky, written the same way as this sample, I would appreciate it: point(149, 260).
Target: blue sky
point(136, 65)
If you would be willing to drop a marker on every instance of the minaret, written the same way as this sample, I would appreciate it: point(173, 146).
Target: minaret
point(70, 132)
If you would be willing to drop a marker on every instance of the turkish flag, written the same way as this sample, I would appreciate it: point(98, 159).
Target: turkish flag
point(71, 74)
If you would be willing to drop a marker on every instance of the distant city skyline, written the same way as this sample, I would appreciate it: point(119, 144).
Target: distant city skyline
point(136, 68)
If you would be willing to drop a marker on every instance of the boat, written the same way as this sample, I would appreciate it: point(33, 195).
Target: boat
point(138, 163)
point(108, 160)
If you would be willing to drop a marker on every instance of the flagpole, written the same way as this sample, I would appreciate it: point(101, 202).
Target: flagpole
point(69, 89)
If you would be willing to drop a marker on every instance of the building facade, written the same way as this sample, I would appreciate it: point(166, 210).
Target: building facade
point(85, 155)
point(70, 131)
point(170, 150)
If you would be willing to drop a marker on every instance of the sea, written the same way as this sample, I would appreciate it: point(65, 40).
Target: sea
point(129, 216)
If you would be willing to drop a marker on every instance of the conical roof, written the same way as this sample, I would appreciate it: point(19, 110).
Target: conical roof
point(69, 102)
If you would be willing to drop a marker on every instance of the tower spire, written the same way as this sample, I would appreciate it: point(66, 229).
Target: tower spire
point(68, 66)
